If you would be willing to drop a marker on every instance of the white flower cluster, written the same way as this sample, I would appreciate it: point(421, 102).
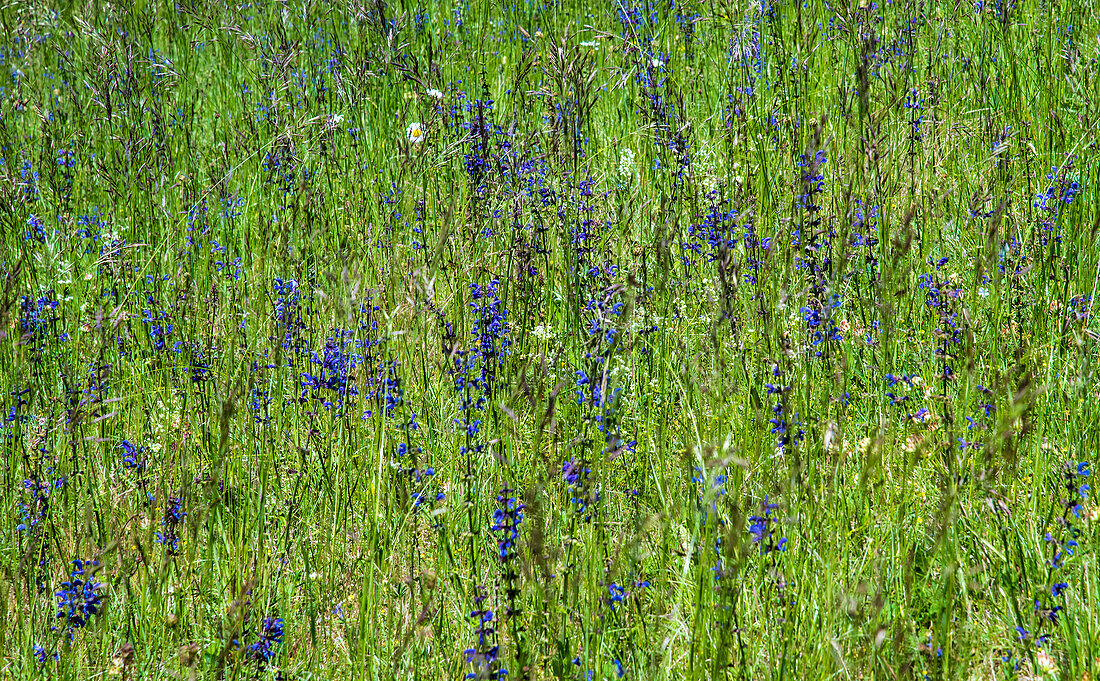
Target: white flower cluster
point(543, 332)
point(626, 162)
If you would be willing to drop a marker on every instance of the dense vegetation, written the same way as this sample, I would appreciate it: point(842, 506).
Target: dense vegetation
point(572, 340)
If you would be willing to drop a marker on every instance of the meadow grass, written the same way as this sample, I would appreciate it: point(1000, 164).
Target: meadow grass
point(673, 340)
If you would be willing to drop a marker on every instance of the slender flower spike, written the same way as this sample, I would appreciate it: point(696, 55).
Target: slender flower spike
point(484, 658)
point(506, 520)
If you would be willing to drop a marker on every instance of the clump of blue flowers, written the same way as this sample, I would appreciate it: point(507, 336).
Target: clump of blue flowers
point(332, 382)
point(267, 642)
point(79, 599)
point(762, 529)
point(583, 494)
point(173, 516)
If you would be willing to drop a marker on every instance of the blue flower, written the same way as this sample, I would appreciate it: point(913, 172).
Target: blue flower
point(761, 529)
point(133, 456)
point(263, 649)
point(484, 656)
point(173, 516)
point(506, 521)
point(78, 599)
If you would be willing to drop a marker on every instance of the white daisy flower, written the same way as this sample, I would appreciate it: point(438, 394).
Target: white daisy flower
point(415, 133)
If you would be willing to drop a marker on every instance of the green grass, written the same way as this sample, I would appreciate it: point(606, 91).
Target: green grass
point(698, 219)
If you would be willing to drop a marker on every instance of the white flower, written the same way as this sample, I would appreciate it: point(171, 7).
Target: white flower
point(543, 332)
point(983, 292)
point(626, 161)
point(337, 119)
point(434, 94)
point(591, 43)
point(415, 133)
point(656, 63)
point(1047, 664)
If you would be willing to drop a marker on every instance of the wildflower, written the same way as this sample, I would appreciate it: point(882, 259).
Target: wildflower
point(626, 161)
point(581, 491)
point(543, 332)
point(434, 94)
point(484, 657)
point(133, 458)
point(263, 649)
point(79, 599)
point(415, 133)
point(506, 520)
point(761, 529)
point(1047, 664)
point(615, 595)
point(983, 292)
point(173, 516)
point(36, 231)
